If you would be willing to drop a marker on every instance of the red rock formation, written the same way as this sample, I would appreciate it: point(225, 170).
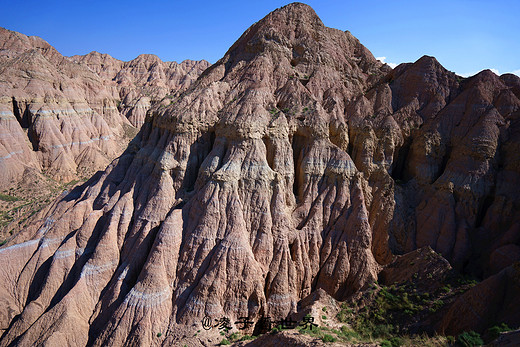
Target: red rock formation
point(143, 81)
point(61, 116)
point(297, 162)
point(493, 301)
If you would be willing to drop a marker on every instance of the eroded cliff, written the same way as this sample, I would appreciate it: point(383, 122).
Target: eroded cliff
point(296, 163)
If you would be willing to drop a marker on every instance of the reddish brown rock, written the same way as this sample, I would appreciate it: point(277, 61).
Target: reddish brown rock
point(60, 115)
point(296, 163)
point(491, 302)
point(144, 80)
point(422, 266)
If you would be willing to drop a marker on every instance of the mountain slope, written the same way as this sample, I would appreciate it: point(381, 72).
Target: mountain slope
point(62, 119)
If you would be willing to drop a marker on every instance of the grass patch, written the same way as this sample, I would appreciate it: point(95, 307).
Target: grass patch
point(247, 338)
point(8, 198)
point(328, 338)
point(235, 337)
point(470, 339)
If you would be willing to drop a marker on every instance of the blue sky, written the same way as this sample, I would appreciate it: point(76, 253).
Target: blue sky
point(466, 36)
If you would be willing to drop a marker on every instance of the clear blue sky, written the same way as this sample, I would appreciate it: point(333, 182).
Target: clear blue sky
point(466, 36)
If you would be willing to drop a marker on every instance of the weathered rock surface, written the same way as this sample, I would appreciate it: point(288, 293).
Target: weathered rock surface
point(491, 302)
point(143, 81)
point(52, 112)
point(297, 162)
point(508, 339)
point(422, 266)
point(61, 117)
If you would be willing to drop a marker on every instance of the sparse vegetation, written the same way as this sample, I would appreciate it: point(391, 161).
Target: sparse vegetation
point(224, 342)
point(328, 338)
point(495, 331)
point(234, 336)
point(247, 337)
point(386, 311)
point(276, 329)
point(8, 198)
point(467, 280)
point(470, 339)
point(345, 313)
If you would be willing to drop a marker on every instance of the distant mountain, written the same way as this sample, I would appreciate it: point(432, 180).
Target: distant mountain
point(294, 173)
point(143, 81)
point(62, 119)
point(62, 116)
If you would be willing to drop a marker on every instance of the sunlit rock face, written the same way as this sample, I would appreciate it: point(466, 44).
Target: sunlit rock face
point(143, 81)
point(297, 162)
point(68, 117)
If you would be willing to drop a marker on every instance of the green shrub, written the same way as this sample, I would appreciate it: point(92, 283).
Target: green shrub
point(328, 338)
point(324, 317)
point(382, 330)
point(276, 329)
point(470, 339)
point(495, 331)
point(235, 336)
point(224, 342)
point(159, 334)
point(395, 341)
point(247, 337)
point(349, 333)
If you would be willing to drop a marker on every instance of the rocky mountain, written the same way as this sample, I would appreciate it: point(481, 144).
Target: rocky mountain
point(61, 115)
point(143, 81)
point(65, 118)
point(297, 164)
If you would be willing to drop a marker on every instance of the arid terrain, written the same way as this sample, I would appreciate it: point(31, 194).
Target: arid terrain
point(63, 119)
point(297, 179)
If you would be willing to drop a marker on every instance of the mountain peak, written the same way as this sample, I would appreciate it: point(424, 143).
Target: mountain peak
point(295, 34)
point(296, 11)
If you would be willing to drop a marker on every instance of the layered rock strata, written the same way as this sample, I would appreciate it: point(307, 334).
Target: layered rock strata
point(296, 163)
point(144, 80)
point(63, 116)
